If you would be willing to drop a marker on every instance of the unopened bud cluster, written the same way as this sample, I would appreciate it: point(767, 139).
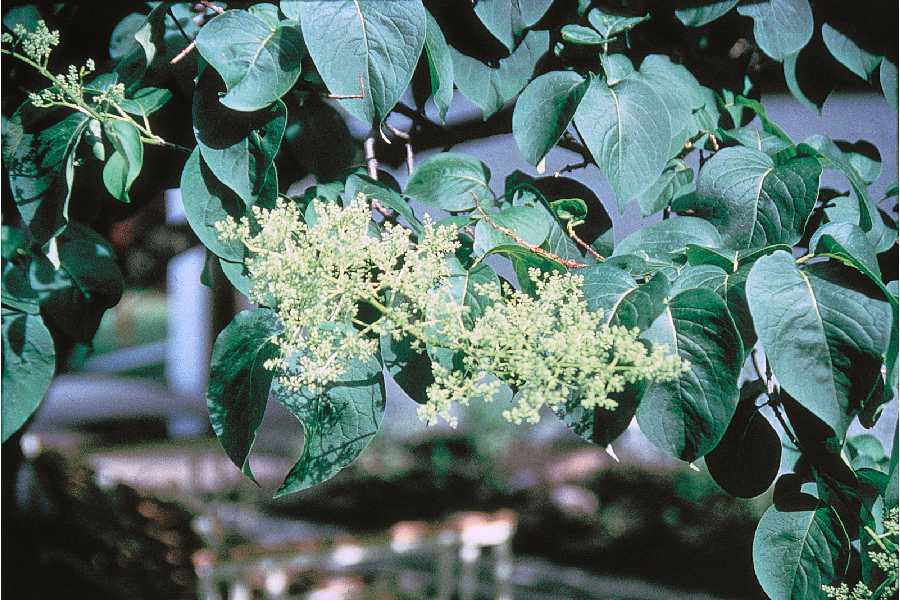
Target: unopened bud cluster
point(548, 348)
point(68, 88)
point(36, 45)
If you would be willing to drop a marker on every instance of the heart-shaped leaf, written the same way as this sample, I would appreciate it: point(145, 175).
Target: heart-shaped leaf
point(260, 62)
point(338, 424)
point(687, 417)
point(364, 48)
point(239, 383)
point(804, 320)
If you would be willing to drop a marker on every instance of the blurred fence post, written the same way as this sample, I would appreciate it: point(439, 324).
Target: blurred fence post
point(188, 339)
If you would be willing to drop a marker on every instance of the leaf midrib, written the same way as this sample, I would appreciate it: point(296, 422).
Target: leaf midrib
point(821, 322)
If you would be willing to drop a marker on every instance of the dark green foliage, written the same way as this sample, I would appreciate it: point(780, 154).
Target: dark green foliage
point(750, 261)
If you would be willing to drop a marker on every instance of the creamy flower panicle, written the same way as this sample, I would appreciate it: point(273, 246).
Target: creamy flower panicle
point(548, 348)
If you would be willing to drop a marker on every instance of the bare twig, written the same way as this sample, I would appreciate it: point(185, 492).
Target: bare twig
point(212, 7)
point(773, 400)
point(753, 360)
point(372, 164)
point(183, 53)
point(178, 25)
point(776, 408)
point(410, 156)
point(344, 96)
point(191, 43)
point(572, 264)
point(570, 229)
point(359, 96)
point(572, 167)
point(371, 161)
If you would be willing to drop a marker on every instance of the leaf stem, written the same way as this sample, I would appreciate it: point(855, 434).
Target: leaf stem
point(566, 262)
point(570, 229)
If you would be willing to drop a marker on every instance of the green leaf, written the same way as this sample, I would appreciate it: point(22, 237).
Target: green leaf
point(677, 180)
point(450, 181)
point(580, 35)
point(234, 273)
point(121, 41)
point(387, 197)
point(844, 209)
point(663, 239)
point(569, 209)
point(337, 424)
point(729, 259)
point(146, 101)
point(368, 48)
point(768, 124)
point(29, 360)
point(729, 283)
point(781, 27)
point(681, 93)
point(616, 67)
point(736, 299)
point(462, 287)
point(319, 125)
point(530, 223)
point(17, 291)
point(796, 552)
point(751, 137)
point(707, 12)
point(850, 243)
point(753, 201)
point(746, 460)
point(239, 147)
point(507, 20)
point(832, 157)
point(239, 383)
point(793, 83)
point(544, 110)
point(609, 24)
point(888, 77)
point(41, 173)
point(892, 488)
point(440, 66)
point(27, 16)
point(489, 89)
point(259, 63)
point(409, 367)
point(160, 37)
point(861, 63)
point(124, 165)
point(709, 276)
point(206, 202)
point(806, 321)
point(84, 281)
point(266, 12)
point(626, 128)
point(12, 239)
point(600, 425)
point(622, 300)
point(687, 417)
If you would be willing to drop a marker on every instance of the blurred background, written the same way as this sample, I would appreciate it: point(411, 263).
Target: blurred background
point(118, 489)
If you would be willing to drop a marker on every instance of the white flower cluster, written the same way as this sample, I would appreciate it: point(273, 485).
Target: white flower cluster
point(317, 274)
point(884, 557)
point(549, 348)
